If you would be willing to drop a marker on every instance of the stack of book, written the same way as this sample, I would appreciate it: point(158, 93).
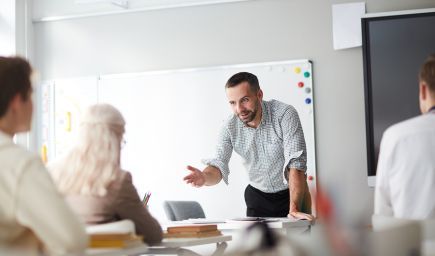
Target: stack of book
point(114, 240)
point(192, 231)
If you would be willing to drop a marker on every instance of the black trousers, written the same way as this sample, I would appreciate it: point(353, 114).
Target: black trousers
point(260, 204)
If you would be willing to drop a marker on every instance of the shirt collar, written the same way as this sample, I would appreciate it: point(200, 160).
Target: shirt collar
point(264, 113)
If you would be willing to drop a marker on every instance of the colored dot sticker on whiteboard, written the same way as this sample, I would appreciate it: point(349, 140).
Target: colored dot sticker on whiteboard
point(297, 70)
point(307, 89)
point(307, 74)
point(301, 84)
point(307, 100)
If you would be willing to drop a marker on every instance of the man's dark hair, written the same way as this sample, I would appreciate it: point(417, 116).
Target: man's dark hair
point(427, 72)
point(244, 77)
point(14, 79)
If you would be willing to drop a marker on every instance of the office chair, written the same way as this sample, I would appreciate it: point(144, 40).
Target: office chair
point(183, 210)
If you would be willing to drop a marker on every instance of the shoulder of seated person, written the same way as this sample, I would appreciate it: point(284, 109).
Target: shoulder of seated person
point(125, 175)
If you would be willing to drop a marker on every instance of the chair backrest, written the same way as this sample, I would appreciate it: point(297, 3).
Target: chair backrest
point(182, 210)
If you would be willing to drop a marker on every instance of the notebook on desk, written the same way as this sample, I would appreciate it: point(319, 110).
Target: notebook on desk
point(188, 231)
point(114, 240)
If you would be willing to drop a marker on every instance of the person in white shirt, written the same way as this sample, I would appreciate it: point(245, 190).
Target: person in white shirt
point(405, 182)
point(34, 217)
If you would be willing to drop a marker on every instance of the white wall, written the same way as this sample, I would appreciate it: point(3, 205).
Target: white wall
point(7, 28)
point(245, 32)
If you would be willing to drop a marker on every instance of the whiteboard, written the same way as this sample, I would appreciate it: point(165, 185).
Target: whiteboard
point(173, 120)
point(71, 98)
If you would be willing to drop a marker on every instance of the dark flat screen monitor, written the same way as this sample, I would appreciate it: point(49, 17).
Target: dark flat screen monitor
point(394, 48)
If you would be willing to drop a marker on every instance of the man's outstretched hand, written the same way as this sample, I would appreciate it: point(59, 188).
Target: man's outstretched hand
point(196, 177)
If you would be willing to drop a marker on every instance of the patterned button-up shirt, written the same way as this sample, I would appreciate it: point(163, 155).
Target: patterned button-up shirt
point(269, 150)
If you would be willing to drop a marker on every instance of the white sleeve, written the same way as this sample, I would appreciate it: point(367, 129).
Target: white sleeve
point(224, 150)
point(295, 149)
point(41, 208)
point(383, 204)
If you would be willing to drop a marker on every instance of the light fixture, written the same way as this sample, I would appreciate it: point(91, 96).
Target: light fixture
point(119, 3)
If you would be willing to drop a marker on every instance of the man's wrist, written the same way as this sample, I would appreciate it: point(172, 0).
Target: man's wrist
point(293, 207)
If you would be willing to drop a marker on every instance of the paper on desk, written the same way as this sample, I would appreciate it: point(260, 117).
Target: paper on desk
point(203, 221)
point(254, 219)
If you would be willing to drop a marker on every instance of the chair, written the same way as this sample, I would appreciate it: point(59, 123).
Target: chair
point(183, 210)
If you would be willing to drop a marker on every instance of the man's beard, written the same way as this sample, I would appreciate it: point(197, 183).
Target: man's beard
point(248, 115)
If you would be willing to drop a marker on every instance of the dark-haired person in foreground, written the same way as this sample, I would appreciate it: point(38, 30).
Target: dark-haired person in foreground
point(269, 137)
point(405, 182)
point(33, 215)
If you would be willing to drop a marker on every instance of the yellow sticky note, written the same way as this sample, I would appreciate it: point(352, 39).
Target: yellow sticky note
point(44, 153)
point(68, 122)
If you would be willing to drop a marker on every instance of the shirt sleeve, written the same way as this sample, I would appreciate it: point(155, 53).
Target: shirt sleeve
point(383, 204)
point(41, 208)
point(295, 152)
point(224, 150)
point(129, 206)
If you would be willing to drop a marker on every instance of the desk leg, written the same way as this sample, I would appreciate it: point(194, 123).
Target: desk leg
point(186, 252)
point(220, 249)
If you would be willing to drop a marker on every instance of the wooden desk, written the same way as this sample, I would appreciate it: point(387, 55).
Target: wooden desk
point(176, 245)
point(285, 225)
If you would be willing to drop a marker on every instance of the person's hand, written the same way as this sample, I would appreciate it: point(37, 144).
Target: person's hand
point(301, 216)
point(196, 177)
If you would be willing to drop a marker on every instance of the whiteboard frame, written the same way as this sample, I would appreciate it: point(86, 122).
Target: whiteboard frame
point(185, 70)
point(311, 121)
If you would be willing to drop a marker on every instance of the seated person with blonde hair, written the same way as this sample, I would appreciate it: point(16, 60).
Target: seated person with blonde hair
point(91, 178)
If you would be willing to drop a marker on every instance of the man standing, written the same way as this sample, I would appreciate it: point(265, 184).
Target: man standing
point(33, 214)
point(269, 136)
point(405, 182)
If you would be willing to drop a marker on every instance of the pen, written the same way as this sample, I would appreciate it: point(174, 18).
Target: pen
point(146, 198)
